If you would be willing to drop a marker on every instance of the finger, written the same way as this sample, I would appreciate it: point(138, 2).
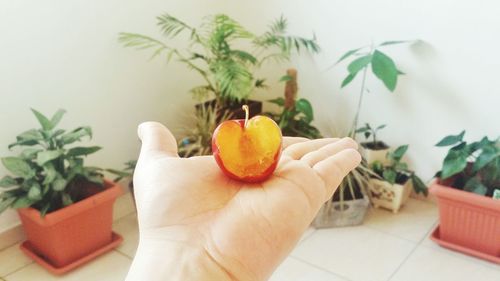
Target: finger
point(287, 141)
point(156, 138)
point(297, 150)
point(328, 150)
point(334, 168)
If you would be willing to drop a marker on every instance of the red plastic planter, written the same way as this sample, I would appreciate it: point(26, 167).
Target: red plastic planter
point(66, 235)
point(468, 220)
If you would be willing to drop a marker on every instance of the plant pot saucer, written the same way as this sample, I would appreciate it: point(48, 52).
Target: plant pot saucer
point(436, 238)
point(26, 247)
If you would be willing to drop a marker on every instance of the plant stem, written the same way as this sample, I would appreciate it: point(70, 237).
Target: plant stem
point(360, 101)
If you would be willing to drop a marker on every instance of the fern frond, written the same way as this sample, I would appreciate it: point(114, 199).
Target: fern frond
point(233, 78)
point(171, 26)
point(142, 42)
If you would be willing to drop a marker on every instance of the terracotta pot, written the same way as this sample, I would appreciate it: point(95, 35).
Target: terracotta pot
point(372, 155)
point(468, 220)
point(68, 234)
point(389, 196)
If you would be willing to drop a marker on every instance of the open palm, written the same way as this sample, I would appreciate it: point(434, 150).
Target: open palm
point(246, 229)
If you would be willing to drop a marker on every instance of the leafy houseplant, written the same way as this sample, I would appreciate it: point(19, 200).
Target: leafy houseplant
point(374, 150)
point(393, 186)
point(48, 177)
point(296, 115)
point(472, 167)
point(381, 65)
point(212, 50)
point(469, 217)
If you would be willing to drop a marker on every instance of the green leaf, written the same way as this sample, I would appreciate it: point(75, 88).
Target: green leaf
point(35, 192)
point(454, 162)
point(399, 152)
point(390, 176)
point(244, 56)
point(48, 155)
point(66, 199)
point(278, 101)
point(401, 72)
point(486, 156)
point(304, 106)
point(97, 179)
point(347, 54)
point(23, 143)
point(44, 121)
point(474, 185)
point(22, 202)
point(8, 181)
point(359, 63)
point(32, 134)
point(451, 139)
point(76, 135)
point(50, 173)
point(5, 203)
point(419, 186)
point(56, 118)
point(29, 153)
point(18, 167)
point(380, 127)
point(348, 79)
point(386, 43)
point(77, 151)
point(385, 69)
point(45, 209)
point(59, 184)
point(285, 78)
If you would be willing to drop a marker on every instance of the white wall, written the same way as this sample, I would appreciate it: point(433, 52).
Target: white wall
point(64, 54)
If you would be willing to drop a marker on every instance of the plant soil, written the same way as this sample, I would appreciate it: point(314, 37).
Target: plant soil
point(375, 146)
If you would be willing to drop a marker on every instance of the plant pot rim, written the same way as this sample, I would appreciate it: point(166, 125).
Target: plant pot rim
point(465, 197)
point(110, 192)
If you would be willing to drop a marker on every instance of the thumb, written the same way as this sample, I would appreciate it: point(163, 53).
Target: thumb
point(156, 139)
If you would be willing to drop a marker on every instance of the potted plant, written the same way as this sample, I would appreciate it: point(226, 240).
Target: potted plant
point(469, 218)
point(392, 188)
point(374, 150)
point(296, 115)
point(349, 204)
point(213, 52)
point(65, 207)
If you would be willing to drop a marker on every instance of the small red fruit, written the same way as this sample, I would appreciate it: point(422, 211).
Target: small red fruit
point(247, 150)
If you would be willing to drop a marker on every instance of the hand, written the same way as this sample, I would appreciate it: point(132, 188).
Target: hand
point(197, 224)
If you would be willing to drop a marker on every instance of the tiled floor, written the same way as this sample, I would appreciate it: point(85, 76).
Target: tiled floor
point(386, 247)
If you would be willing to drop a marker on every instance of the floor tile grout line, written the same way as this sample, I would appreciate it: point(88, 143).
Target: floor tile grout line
point(418, 244)
point(403, 262)
point(320, 268)
point(307, 237)
point(19, 269)
point(123, 254)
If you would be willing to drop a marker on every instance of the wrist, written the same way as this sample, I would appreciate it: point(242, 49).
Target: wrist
point(166, 260)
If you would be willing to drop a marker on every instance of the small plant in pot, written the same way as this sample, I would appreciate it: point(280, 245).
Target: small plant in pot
point(392, 188)
point(65, 207)
point(213, 50)
point(349, 203)
point(126, 173)
point(374, 150)
point(469, 178)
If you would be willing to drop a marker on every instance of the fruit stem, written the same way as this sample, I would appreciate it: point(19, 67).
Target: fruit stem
point(247, 113)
